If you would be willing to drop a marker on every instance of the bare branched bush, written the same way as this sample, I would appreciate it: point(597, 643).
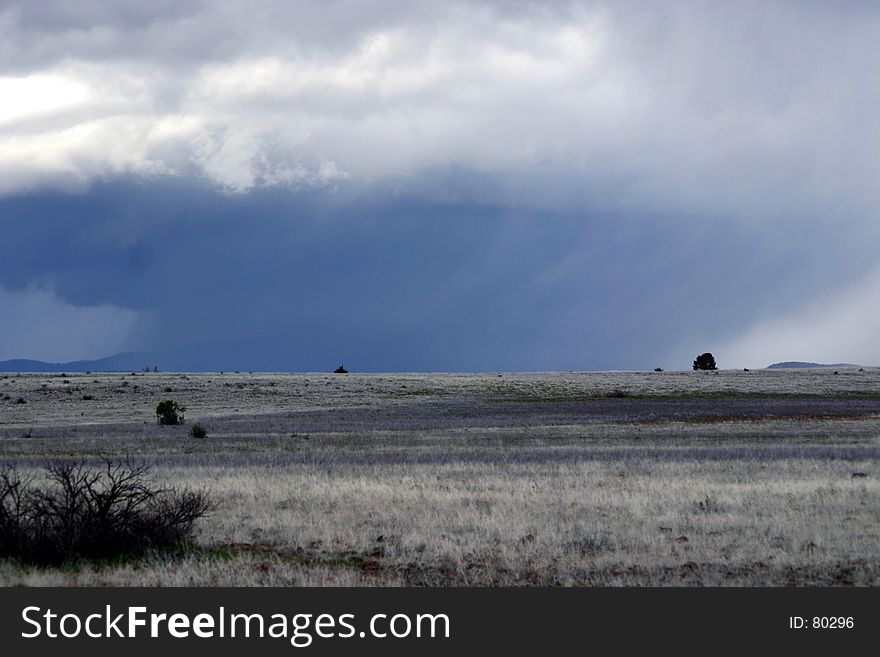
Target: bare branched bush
point(86, 512)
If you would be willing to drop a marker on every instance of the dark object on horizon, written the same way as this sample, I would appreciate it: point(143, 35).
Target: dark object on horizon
point(340, 370)
point(170, 412)
point(82, 511)
point(705, 362)
point(198, 431)
point(658, 369)
point(746, 369)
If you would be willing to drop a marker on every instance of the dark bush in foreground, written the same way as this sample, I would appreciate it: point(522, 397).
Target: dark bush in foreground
point(705, 362)
point(198, 431)
point(80, 511)
point(170, 412)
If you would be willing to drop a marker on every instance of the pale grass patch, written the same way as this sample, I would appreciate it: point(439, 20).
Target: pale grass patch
point(310, 491)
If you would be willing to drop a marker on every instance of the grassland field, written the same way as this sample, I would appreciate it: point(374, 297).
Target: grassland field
point(736, 478)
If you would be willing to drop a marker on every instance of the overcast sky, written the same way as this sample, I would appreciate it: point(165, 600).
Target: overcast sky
point(440, 186)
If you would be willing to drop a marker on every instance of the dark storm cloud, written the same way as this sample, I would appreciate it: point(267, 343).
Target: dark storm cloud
point(444, 185)
point(384, 281)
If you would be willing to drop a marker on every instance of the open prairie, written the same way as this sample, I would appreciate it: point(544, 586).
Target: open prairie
point(675, 478)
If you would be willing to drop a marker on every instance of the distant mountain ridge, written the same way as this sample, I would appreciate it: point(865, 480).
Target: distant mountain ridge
point(125, 362)
point(797, 364)
point(264, 354)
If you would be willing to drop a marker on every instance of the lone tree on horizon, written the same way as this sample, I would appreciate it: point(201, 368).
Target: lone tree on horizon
point(705, 362)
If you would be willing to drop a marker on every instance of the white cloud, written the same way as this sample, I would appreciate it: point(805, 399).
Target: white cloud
point(36, 96)
point(688, 108)
point(73, 156)
point(36, 324)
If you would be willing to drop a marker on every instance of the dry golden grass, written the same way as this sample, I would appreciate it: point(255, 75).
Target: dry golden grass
point(727, 479)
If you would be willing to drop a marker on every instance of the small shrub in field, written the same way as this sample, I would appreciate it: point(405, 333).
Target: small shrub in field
point(708, 505)
point(21, 400)
point(340, 370)
point(82, 511)
point(170, 412)
point(198, 431)
point(87, 398)
point(618, 394)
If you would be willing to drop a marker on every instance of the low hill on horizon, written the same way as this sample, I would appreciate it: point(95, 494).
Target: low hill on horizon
point(797, 364)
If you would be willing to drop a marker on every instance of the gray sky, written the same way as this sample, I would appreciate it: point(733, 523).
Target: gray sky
point(422, 185)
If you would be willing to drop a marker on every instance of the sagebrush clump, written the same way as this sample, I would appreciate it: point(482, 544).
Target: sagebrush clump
point(81, 511)
point(170, 412)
